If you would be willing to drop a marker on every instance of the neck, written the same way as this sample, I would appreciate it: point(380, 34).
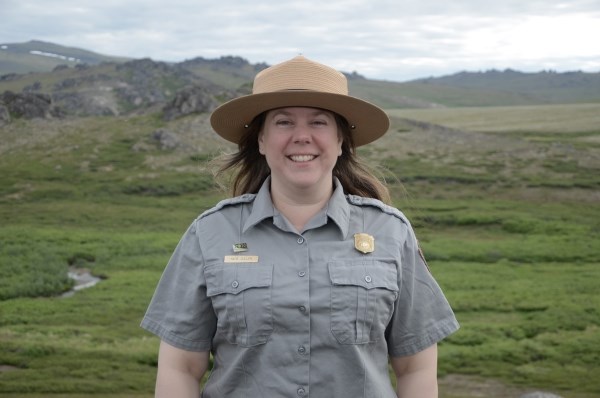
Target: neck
point(300, 206)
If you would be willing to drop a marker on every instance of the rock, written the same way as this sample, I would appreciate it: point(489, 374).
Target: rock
point(60, 67)
point(165, 138)
point(36, 86)
point(4, 115)
point(66, 84)
point(9, 77)
point(192, 99)
point(540, 394)
point(28, 105)
point(85, 104)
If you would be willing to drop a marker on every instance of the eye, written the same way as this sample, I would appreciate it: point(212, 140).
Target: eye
point(319, 122)
point(283, 122)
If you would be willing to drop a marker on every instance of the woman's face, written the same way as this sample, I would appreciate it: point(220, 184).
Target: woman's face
point(301, 146)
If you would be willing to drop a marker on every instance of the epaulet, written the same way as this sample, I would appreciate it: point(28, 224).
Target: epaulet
point(246, 198)
point(371, 202)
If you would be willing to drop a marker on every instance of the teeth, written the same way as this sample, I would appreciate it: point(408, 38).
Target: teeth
point(302, 158)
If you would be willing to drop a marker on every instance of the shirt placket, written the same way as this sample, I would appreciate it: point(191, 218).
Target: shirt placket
point(302, 343)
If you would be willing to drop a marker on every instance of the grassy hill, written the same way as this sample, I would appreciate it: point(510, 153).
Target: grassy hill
point(39, 56)
point(546, 87)
point(506, 207)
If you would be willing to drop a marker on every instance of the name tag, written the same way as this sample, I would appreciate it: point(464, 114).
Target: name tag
point(241, 259)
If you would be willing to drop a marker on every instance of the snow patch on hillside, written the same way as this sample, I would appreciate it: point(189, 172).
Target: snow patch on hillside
point(52, 55)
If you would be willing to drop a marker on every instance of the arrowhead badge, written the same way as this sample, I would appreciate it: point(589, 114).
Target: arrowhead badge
point(364, 243)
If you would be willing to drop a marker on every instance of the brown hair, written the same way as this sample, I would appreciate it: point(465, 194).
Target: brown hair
point(251, 170)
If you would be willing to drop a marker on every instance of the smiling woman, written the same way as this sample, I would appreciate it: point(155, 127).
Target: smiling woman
point(305, 276)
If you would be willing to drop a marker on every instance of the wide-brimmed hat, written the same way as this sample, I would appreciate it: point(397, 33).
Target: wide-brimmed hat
point(300, 82)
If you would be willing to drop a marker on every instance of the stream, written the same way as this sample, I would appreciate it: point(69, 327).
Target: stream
point(83, 279)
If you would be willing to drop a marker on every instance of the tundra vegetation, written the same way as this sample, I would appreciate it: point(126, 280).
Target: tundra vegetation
point(505, 202)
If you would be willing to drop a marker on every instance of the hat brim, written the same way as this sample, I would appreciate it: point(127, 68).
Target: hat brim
point(370, 122)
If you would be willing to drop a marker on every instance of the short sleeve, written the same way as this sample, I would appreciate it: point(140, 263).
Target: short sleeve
point(422, 315)
point(180, 312)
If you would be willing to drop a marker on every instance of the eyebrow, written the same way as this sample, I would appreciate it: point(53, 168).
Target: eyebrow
point(316, 112)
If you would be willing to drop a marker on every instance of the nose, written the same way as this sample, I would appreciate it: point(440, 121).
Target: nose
point(301, 134)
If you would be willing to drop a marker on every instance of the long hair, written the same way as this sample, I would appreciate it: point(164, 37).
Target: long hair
point(250, 168)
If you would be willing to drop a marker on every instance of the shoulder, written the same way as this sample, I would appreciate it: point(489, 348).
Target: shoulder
point(377, 206)
point(228, 203)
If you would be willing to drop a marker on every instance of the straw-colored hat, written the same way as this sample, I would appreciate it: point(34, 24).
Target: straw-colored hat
point(300, 82)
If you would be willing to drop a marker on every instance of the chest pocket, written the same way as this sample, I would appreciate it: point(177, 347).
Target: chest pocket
point(241, 297)
point(362, 299)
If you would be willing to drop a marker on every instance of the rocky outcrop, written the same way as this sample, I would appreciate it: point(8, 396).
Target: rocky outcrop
point(36, 86)
point(9, 77)
point(137, 86)
point(193, 99)
point(60, 67)
point(165, 139)
point(86, 104)
point(29, 105)
point(4, 114)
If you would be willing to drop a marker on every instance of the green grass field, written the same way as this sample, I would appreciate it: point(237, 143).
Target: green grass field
point(505, 201)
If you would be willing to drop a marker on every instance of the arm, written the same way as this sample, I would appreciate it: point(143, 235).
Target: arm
point(416, 375)
point(179, 372)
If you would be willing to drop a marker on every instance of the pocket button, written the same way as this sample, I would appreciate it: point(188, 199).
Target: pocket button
point(368, 278)
point(235, 284)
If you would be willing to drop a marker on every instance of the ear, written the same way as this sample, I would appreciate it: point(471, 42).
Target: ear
point(261, 144)
point(340, 147)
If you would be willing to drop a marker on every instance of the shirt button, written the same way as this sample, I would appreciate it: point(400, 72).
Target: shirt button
point(234, 284)
point(302, 308)
point(301, 274)
point(302, 350)
point(368, 278)
point(301, 392)
point(300, 240)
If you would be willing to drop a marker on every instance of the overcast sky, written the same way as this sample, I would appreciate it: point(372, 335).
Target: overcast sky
point(382, 39)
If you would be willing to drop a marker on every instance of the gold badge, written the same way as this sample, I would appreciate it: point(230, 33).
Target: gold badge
point(364, 243)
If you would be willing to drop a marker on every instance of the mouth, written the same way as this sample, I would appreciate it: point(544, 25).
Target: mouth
point(301, 158)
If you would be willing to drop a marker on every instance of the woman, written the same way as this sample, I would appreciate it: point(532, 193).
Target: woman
point(305, 283)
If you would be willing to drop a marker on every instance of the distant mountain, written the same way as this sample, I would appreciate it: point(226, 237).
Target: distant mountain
point(39, 56)
point(545, 86)
point(75, 82)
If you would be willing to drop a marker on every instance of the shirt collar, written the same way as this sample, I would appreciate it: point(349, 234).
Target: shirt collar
point(338, 208)
point(262, 206)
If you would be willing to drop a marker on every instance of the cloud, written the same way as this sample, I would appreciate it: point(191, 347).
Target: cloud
point(386, 39)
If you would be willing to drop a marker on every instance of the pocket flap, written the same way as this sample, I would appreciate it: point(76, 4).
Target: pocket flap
point(233, 279)
point(368, 274)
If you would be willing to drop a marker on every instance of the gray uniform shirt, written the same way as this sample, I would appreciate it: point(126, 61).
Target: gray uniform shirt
point(299, 314)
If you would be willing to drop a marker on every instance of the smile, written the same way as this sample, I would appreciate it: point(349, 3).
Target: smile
point(302, 158)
